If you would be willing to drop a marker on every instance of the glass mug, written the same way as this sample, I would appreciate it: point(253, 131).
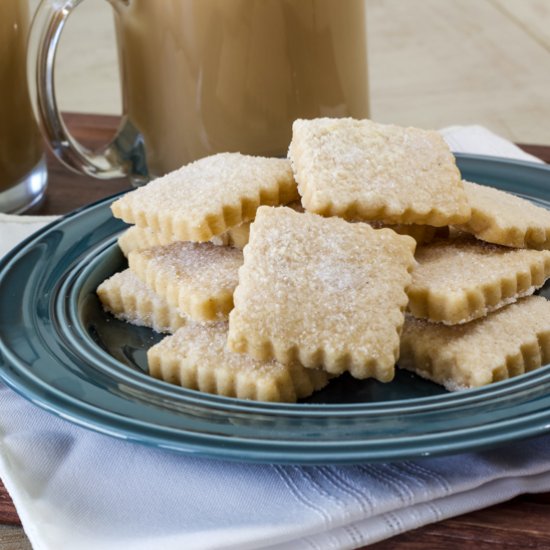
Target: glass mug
point(23, 173)
point(204, 76)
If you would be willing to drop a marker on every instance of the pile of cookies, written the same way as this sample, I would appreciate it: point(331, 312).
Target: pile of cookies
point(362, 250)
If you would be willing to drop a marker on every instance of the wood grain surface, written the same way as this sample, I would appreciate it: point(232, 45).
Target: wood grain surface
point(519, 523)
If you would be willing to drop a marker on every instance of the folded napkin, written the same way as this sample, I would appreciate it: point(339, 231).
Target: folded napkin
point(77, 489)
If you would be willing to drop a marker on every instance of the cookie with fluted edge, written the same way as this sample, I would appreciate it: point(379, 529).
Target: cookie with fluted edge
point(196, 278)
point(129, 299)
point(323, 292)
point(506, 343)
point(196, 357)
point(461, 279)
point(502, 218)
point(140, 238)
point(203, 199)
point(359, 169)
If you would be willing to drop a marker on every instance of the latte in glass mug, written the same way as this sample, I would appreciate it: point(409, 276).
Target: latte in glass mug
point(204, 76)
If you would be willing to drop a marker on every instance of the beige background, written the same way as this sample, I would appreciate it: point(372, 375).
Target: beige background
point(432, 63)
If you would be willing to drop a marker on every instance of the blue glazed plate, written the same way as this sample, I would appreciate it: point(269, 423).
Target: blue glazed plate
point(61, 351)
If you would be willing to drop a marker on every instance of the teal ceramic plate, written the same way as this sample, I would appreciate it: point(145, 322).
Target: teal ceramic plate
point(60, 350)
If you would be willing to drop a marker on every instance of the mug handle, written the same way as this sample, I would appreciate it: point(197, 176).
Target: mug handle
point(124, 155)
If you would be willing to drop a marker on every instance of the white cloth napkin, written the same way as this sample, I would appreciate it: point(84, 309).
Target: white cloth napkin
point(77, 489)
point(13, 229)
point(481, 141)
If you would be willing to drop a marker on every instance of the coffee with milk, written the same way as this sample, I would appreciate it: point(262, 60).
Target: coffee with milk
point(203, 76)
point(206, 76)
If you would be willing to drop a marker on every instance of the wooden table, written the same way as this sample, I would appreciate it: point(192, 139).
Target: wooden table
point(519, 523)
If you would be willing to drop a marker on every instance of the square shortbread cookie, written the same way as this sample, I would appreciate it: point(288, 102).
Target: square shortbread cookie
point(197, 279)
point(358, 169)
point(208, 196)
point(140, 238)
point(502, 218)
point(196, 357)
point(129, 299)
point(323, 292)
point(458, 280)
point(508, 342)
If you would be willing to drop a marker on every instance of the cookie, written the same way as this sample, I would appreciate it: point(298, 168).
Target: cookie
point(129, 299)
point(502, 218)
point(196, 357)
point(323, 292)
point(205, 198)
point(508, 342)
point(198, 279)
point(140, 238)
point(359, 169)
point(458, 280)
